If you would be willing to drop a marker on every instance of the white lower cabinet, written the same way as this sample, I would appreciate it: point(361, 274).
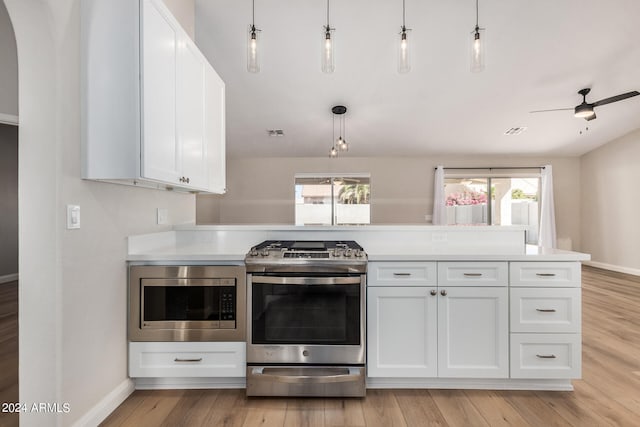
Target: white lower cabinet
point(187, 359)
point(426, 331)
point(473, 332)
point(402, 332)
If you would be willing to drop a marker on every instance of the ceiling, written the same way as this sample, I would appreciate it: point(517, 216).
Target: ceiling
point(539, 54)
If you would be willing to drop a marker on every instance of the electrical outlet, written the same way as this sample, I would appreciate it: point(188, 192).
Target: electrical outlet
point(162, 216)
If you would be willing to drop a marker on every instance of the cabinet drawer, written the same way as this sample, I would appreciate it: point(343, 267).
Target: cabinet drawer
point(187, 359)
point(545, 310)
point(402, 273)
point(545, 274)
point(546, 356)
point(473, 273)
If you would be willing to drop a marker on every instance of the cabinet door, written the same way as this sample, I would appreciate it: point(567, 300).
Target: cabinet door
point(160, 152)
point(473, 332)
point(215, 130)
point(191, 115)
point(401, 332)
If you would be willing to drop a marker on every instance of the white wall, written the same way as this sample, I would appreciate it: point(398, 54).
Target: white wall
point(610, 203)
point(72, 282)
point(184, 11)
point(262, 190)
point(8, 66)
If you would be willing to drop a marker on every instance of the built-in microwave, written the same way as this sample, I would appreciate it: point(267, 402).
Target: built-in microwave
point(187, 303)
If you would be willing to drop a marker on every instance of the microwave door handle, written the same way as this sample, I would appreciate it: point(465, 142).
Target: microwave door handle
point(341, 376)
point(282, 280)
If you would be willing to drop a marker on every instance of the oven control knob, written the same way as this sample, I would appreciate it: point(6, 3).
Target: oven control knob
point(305, 353)
point(359, 253)
point(348, 252)
point(253, 252)
point(265, 252)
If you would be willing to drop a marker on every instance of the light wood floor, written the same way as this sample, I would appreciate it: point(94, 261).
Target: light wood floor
point(608, 394)
point(8, 350)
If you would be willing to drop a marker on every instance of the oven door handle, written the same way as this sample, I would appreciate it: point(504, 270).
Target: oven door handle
point(342, 375)
point(282, 280)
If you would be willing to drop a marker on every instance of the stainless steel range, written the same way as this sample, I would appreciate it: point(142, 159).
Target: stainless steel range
point(306, 318)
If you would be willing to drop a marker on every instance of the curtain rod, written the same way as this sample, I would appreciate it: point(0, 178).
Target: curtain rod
point(498, 167)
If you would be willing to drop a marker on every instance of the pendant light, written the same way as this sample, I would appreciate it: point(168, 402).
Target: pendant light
point(328, 41)
point(404, 65)
point(339, 144)
point(253, 57)
point(477, 47)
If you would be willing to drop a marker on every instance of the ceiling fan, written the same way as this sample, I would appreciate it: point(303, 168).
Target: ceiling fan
point(586, 110)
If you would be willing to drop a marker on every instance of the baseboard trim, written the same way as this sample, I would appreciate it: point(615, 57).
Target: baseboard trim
point(9, 278)
point(9, 119)
point(107, 405)
point(612, 267)
point(188, 383)
point(471, 384)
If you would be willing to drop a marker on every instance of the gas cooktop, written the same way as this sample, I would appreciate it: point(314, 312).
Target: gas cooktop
point(307, 252)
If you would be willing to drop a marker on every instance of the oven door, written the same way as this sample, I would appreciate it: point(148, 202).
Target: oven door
point(306, 319)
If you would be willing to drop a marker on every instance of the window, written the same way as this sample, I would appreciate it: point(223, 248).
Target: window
point(332, 199)
point(494, 200)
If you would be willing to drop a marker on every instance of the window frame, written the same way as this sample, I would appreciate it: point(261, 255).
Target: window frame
point(331, 176)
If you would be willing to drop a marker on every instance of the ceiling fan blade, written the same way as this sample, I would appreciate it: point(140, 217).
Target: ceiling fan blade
point(555, 109)
point(591, 117)
point(616, 98)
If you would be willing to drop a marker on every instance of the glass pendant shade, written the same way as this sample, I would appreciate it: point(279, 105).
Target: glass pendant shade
point(328, 47)
point(478, 50)
point(404, 54)
point(342, 144)
point(333, 152)
point(253, 57)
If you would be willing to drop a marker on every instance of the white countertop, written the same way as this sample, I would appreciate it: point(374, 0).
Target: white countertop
point(229, 244)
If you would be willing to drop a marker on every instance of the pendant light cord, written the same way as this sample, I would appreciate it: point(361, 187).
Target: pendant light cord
point(404, 15)
point(477, 19)
point(253, 13)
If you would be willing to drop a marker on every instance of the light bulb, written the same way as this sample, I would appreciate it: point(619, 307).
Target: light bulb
point(253, 64)
point(343, 145)
point(404, 66)
point(328, 43)
point(333, 152)
point(477, 51)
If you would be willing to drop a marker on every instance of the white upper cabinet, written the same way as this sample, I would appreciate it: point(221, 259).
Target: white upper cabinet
point(153, 107)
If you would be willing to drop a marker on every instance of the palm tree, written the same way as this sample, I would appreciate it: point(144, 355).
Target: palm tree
point(354, 194)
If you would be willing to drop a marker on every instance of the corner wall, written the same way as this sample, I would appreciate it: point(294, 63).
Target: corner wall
point(610, 204)
point(73, 299)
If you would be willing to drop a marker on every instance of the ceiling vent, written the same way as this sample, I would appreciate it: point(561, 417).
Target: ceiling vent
point(275, 132)
point(515, 131)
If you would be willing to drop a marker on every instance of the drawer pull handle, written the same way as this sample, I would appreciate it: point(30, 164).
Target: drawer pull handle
point(472, 274)
point(546, 310)
point(433, 292)
point(443, 293)
point(546, 356)
point(546, 274)
point(187, 360)
point(402, 274)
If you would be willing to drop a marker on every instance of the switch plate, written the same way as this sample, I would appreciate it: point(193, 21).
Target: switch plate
point(73, 217)
point(162, 216)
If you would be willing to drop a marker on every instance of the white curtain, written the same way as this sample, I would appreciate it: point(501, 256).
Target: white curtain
point(439, 207)
point(547, 237)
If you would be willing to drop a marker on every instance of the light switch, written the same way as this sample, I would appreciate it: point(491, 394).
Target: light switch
point(73, 217)
point(163, 216)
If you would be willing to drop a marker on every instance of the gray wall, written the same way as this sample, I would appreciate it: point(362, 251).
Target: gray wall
point(8, 65)
point(8, 200)
point(610, 203)
point(262, 190)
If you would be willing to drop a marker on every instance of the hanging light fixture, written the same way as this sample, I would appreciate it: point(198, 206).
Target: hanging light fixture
point(328, 63)
point(339, 144)
point(253, 64)
point(477, 47)
point(404, 66)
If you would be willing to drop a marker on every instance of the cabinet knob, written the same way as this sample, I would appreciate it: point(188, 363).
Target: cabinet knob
point(443, 293)
point(433, 292)
point(187, 179)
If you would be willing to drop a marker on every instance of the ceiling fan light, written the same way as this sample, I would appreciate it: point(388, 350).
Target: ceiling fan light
point(583, 111)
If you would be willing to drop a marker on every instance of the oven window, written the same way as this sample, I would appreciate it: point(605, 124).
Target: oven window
point(306, 314)
point(175, 303)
